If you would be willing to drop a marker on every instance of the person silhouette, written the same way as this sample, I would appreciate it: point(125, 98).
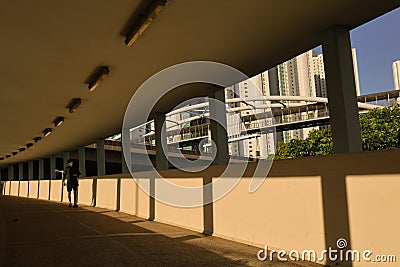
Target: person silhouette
point(71, 174)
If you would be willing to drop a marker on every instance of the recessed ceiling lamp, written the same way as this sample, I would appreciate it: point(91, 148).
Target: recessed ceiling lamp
point(144, 21)
point(29, 145)
point(97, 77)
point(58, 121)
point(74, 104)
point(47, 132)
point(37, 139)
point(21, 149)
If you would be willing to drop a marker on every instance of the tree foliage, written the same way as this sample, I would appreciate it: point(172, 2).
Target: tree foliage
point(318, 142)
point(379, 130)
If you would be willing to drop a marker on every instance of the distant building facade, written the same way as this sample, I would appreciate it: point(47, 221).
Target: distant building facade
point(303, 75)
point(396, 74)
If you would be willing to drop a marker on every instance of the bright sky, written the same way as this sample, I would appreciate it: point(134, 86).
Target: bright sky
point(378, 46)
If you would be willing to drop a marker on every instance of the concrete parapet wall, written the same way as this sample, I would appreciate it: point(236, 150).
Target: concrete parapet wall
point(303, 204)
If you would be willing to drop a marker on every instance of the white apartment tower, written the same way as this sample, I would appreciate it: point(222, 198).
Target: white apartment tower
point(319, 72)
point(303, 75)
point(244, 146)
point(319, 76)
point(396, 74)
point(355, 67)
point(298, 77)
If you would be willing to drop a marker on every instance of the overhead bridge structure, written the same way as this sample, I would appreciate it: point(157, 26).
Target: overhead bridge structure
point(68, 71)
point(266, 114)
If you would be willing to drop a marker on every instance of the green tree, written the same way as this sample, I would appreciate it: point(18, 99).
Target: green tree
point(295, 148)
point(379, 130)
point(318, 142)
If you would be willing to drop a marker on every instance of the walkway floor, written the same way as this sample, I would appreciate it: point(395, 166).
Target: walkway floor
point(42, 233)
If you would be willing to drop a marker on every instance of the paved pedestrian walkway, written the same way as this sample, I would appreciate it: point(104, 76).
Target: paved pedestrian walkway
point(42, 233)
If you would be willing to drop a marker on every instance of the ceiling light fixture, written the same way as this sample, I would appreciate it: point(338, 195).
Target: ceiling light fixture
point(58, 121)
point(74, 104)
point(97, 77)
point(144, 21)
point(47, 132)
point(37, 139)
point(29, 145)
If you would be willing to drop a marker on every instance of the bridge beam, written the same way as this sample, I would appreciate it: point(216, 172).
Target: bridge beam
point(21, 171)
point(161, 141)
point(2, 178)
point(11, 172)
point(125, 135)
point(82, 161)
point(30, 170)
point(52, 167)
point(41, 169)
point(65, 158)
point(341, 87)
point(101, 157)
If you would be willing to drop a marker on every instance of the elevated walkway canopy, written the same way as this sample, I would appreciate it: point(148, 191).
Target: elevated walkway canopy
point(49, 49)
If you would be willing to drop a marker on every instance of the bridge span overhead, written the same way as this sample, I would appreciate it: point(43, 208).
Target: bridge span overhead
point(51, 49)
point(69, 70)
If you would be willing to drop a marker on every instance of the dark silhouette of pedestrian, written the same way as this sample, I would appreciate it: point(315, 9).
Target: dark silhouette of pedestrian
point(71, 174)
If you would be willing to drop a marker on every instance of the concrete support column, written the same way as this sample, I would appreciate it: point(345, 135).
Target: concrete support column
point(218, 126)
point(161, 140)
point(11, 172)
point(82, 161)
point(21, 171)
point(2, 188)
point(125, 137)
point(41, 169)
point(101, 158)
point(30, 170)
point(219, 136)
point(30, 176)
point(52, 167)
point(65, 158)
point(341, 87)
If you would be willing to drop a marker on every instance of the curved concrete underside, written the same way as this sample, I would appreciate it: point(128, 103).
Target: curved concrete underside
point(49, 48)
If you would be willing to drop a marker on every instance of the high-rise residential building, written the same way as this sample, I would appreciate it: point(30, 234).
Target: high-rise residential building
point(243, 145)
point(319, 74)
point(303, 75)
point(396, 74)
point(355, 67)
point(306, 73)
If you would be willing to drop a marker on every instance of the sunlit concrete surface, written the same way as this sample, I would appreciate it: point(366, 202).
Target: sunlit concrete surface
point(42, 233)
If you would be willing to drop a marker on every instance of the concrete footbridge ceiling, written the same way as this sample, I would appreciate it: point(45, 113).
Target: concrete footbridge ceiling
point(51, 50)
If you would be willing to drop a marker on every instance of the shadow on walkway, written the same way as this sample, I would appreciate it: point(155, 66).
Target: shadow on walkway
point(42, 233)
